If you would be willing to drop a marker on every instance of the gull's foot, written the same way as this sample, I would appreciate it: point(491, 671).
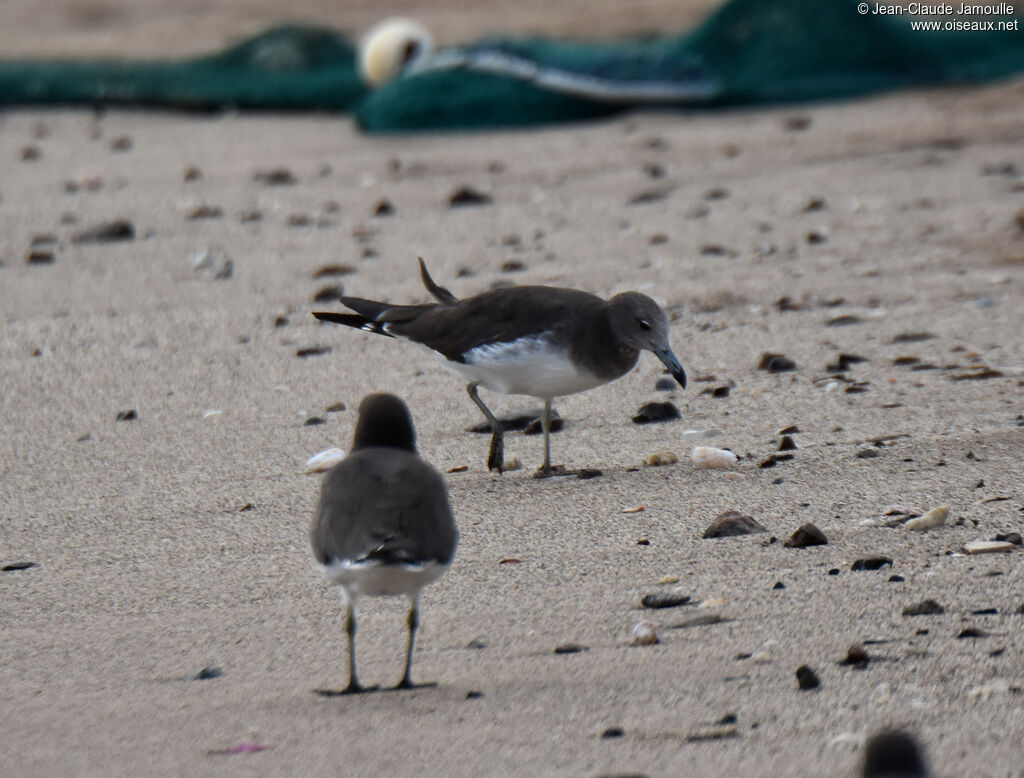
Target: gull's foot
point(405, 683)
point(496, 453)
point(352, 688)
point(552, 471)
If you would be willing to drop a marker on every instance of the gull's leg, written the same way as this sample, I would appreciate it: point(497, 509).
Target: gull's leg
point(350, 629)
point(496, 453)
point(413, 621)
point(545, 424)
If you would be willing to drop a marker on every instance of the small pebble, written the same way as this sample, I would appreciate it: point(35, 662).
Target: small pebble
point(466, 196)
point(732, 524)
point(665, 385)
point(936, 517)
point(806, 678)
point(653, 413)
point(1009, 537)
point(644, 633)
point(856, 656)
point(871, 563)
point(109, 232)
point(664, 600)
point(312, 351)
point(274, 177)
point(893, 754)
point(776, 363)
point(205, 674)
point(586, 473)
point(924, 608)
point(13, 567)
point(570, 648)
point(807, 535)
point(659, 458)
point(987, 546)
point(129, 415)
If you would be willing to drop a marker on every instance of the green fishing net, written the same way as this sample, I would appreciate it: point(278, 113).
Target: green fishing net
point(748, 51)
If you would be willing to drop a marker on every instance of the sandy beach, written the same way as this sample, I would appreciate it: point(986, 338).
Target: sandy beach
point(889, 229)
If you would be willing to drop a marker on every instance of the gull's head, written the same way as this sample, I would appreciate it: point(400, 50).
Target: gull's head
point(384, 421)
point(639, 323)
point(390, 47)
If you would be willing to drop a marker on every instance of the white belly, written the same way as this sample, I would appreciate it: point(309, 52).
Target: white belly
point(530, 366)
point(376, 579)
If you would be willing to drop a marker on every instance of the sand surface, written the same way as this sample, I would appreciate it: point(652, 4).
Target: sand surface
point(178, 541)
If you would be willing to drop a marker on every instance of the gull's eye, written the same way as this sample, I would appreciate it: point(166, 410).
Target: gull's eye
point(643, 324)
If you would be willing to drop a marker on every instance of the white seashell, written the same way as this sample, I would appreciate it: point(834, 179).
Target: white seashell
point(936, 517)
point(202, 260)
point(645, 633)
point(208, 414)
point(391, 46)
point(987, 546)
point(712, 602)
point(709, 457)
point(325, 460)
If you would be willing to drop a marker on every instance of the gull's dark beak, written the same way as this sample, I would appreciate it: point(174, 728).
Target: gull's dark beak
point(670, 361)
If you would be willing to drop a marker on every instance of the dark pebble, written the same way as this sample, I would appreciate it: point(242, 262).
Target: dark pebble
point(205, 674)
point(329, 294)
point(843, 362)
point(790, 430)
point(868, 453)
point(774, 459)
point(893, 753)
point(477, 644)
point(333, 270)
point(728, 718)
point(807, 535)
point(106, 233)
point(192, 174)
point(570, 648)
point(664, 600)
point(1009, 537)
point(513, 266)
point(312, 351)
point(896, 579)
point(732, 524)
point(298, 220)
point(817, 204)
point(40, 257)
point(384, 208)
point(971, 632)
point(833, 571)
point(275, 177)
point(13, 567)
point(787, 444)
point(856, 656)
point(129, 415)
point(912, 337)
point(473, 694)
point(665, 385)
point(872, 563)
point(807, 678)
point(336, 407)
point(226, 271)
point(843, 321)
point(466, 196)
point(776, 363)
point(985, 612)
point(779, 585)
point(281, 321)
point(312, 421)
point(649, 196)
point(706, 620)
point(924, 608)
point(653, 413)
point(586, 473)
point(613, 732)
point(205, 212)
